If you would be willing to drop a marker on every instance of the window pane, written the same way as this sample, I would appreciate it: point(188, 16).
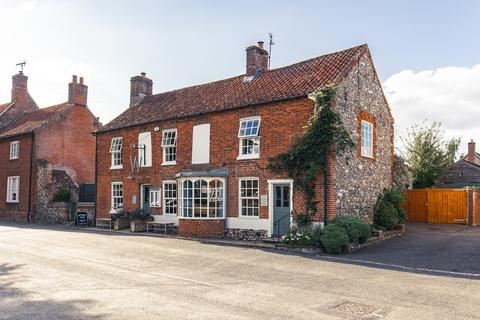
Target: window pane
point(249, 128)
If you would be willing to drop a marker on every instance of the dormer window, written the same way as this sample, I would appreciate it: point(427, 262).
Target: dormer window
point(249, 138)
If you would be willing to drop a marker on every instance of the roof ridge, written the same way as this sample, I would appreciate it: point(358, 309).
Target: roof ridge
point(265, 72)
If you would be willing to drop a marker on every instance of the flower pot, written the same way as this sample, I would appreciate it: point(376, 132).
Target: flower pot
point(120, 224)
point(138, 226)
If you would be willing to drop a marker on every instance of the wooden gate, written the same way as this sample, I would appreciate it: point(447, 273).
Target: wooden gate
point(437, 205)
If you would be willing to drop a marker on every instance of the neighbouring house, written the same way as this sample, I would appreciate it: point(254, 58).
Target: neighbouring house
point(199, 156)
point(463, 173)
point(42, 150)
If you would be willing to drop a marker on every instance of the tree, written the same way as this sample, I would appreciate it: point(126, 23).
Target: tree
point(428, 153)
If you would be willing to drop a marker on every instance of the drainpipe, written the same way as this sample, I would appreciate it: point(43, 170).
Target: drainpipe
point(325, 197)
point(96, 180)
point(30, 178)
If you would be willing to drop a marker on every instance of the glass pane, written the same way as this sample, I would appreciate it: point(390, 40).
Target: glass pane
point(286, 197)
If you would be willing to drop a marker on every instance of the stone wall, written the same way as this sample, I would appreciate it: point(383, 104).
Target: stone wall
point(359, 180)
point(402, 175)
point(246, 234)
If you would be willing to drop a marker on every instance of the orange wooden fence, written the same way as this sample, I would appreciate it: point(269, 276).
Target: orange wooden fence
point(437, 205)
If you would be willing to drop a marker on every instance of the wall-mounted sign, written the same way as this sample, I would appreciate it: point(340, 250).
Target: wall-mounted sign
point(134, 199)
point(264, 200)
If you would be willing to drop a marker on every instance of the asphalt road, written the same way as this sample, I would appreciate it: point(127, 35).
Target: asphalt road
point(54, 273)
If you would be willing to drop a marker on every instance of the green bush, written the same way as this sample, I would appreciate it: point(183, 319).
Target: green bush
point(62, 195)
point(316, 234)
point(385, 215)
point(303, 220)
point(358, 231)
point(334, 238)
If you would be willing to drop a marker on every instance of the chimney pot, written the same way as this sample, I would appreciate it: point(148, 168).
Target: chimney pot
point(471, 151)
point(257, 58)
point(140, 87)
point(77, 92)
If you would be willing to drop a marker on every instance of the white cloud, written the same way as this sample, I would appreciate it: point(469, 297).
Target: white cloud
point(450, 95)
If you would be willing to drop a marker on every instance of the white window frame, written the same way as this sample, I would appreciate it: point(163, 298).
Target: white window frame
point(240, 198)
point(11, 191)
point(14, 150)
point(165, 198)
point(366, 142)
point(166, 147)
point(154, 197)
point(113, 197)
point(116, 154)
point(244, 137)
point(180, 207)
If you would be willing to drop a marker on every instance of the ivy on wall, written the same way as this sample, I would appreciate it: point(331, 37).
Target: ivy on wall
point(308, 155)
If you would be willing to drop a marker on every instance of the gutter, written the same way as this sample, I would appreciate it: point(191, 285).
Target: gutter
point(30, 178)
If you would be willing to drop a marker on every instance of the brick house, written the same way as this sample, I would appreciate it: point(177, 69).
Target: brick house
point(199, 156)
point(43, 149)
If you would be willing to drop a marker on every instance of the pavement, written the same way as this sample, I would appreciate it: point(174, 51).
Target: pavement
point(49, 272)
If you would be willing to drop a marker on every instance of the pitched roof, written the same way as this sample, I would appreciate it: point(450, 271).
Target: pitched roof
point(33, 120)
point(4, 106)
point(278, 84)
point(61, 178)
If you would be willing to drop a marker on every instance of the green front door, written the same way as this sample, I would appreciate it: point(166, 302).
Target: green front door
point(281, 209)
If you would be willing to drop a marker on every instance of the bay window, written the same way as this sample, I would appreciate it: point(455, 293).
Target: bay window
point(202, 198)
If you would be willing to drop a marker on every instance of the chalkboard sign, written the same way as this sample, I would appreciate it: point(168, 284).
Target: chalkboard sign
point(82, 219)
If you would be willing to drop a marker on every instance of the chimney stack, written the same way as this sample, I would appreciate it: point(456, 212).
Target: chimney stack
point(257, 58)
point(77, 92)
point(471, 151)
point(140, 87)
point(19, 89)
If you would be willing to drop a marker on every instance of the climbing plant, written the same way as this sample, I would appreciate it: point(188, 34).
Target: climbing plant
point(308, 155)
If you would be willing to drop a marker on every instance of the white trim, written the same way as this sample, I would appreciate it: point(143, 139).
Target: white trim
point(14, 155)
point(113, 210)
point(242, 223)
point(270, 200)
point(193, 180)
point(240, 198)
point(116, 167)
point(248, 156)
point(17, 190)
point(366, 155)
point(163, 197)
point(169, 163)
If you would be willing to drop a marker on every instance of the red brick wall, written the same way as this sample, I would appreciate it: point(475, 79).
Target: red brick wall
point(69, 143)
point(202, 228)
point(19, 167)
point(280, 122)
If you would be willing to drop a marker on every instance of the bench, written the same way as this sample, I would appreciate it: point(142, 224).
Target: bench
point(159, 226)
point(103, 223)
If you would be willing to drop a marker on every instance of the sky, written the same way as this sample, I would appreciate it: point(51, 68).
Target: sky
point(426, 53)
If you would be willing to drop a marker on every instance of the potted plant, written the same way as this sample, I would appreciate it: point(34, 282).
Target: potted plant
point(138, 220)
point(120, 220)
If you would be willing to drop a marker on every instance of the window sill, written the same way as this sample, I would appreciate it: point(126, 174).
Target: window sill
point(170, 214)
point(173, 163)
point(200, 218)
point(248, 157)
point(249, 217)
point(116, 167)
point(12, 201)
point(13, 158)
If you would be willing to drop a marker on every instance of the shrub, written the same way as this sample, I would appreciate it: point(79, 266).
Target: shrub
point(303, 220)
point(358, 231)
point(298, 237)
point(316, 234)
point(138, 214)
point(385, 215)
point(334, 238)
point(62, 195)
